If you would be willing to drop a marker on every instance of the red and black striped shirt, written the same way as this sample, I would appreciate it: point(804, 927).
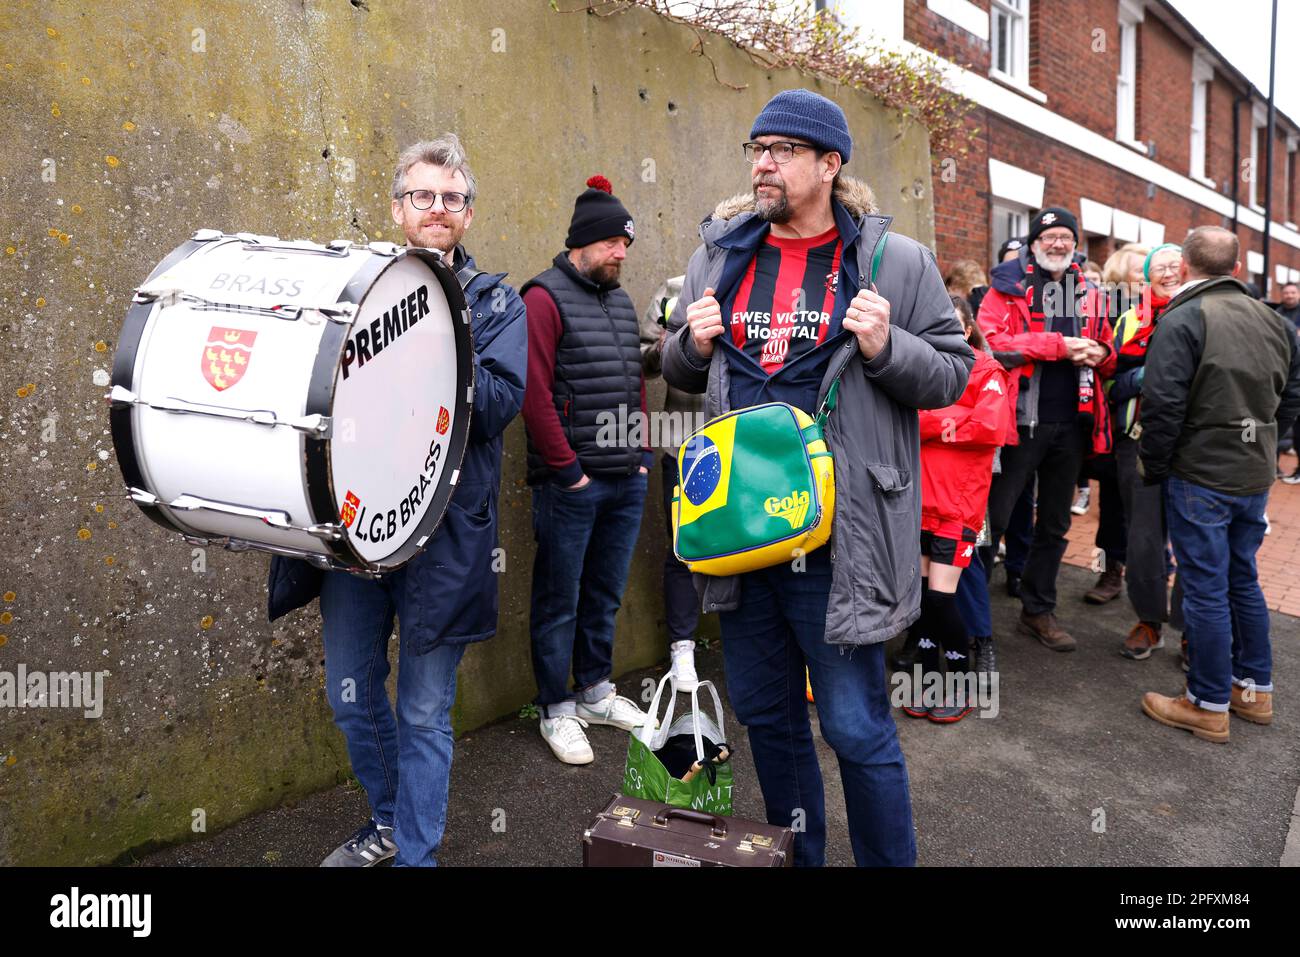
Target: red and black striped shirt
point(783, 306)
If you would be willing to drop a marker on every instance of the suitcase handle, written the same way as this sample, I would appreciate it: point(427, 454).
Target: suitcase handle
point(718, 825)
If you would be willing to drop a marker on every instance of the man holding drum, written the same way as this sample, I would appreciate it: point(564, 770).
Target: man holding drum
point(446, 597)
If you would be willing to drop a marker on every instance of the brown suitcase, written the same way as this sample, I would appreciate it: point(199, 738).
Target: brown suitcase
point(631, 832)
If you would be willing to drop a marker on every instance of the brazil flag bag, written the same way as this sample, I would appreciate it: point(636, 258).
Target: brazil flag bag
point(757, 485)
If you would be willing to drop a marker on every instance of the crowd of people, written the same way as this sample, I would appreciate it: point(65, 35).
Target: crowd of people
point(958, 414)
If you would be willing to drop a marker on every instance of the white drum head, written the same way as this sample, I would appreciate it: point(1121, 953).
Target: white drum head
point(395, 397)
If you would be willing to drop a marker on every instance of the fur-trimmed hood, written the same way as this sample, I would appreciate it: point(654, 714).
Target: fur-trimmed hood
point(854, 195)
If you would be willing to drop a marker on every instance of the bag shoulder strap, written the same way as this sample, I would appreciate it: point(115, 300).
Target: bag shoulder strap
point(833, 392)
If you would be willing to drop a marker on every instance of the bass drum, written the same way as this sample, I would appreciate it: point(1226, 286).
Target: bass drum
point(311, 401)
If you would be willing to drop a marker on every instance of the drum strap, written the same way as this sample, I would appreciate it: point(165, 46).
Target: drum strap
point(465, 275)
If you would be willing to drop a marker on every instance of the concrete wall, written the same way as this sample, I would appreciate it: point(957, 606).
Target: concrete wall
point(128, 126)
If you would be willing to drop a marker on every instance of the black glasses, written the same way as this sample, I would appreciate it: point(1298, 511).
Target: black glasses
point(425, 198)
point(782, 151)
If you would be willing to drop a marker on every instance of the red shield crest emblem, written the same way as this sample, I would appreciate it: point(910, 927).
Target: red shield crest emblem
point(348, 514)
point(226, 356)
point(444, 420)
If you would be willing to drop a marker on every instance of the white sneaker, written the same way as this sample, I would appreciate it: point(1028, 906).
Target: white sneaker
point(1081, 503)
point(683, 653)
point(613, 709)
point(567, 739)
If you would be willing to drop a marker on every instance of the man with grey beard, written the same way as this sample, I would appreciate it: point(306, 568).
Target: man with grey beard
point(1051, 320)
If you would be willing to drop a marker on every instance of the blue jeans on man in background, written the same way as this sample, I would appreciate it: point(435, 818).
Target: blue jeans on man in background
point(585, 540)
point(779, 627)
point(1215, 537)
point(404, 763)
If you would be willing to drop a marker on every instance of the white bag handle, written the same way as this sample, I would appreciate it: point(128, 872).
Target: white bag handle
point(646, 733)
point(654, 738)
point(695, 716)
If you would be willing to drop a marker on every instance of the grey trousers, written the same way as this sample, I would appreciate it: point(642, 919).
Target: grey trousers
point(1144, 569)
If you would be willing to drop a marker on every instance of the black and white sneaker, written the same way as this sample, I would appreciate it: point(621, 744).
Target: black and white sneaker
point(371, 845)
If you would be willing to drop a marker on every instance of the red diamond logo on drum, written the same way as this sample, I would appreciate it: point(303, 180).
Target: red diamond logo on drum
point(226, 356)
point(444, 419)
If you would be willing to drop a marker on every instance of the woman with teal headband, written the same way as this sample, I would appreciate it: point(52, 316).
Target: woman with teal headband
point(1145, 570)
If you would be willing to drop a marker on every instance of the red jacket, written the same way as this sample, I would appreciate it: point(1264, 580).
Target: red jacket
point(957, 445)
point(1015, 332)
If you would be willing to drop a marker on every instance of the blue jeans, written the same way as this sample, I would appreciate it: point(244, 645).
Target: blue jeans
point(778, 629)
point(973, 598)
point(1215, 538)
point(585, 539)
point(403, 763)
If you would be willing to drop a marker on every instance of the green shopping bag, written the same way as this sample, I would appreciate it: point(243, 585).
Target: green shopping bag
point(684, 762)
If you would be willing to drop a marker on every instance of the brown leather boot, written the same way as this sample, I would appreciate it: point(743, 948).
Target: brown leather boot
point(1178, 712)
point(1258, 708)
point(1046, 630)
point(1108, 585)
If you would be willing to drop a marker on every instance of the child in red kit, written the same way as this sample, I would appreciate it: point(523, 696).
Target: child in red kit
point(957, 448)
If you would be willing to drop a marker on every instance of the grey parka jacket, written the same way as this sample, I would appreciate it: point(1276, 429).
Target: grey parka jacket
point(872, 432)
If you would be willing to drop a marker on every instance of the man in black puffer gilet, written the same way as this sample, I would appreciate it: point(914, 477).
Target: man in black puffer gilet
point(587, 465)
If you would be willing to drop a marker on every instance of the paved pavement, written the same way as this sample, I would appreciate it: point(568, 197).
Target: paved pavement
point(1278, 559)
point(1069, 772)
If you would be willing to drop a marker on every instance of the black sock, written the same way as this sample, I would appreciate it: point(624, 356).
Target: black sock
point(945, 627)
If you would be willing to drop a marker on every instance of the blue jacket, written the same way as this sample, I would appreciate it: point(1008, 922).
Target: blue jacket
point(451, 584)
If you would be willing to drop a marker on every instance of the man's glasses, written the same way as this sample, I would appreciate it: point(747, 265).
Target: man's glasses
point(782, 151)
point(1050, 241)
point(424, 199)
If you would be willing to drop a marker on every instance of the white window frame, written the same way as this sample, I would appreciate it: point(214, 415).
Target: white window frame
point(1018, 214)
point(1016, 12)
point(1258, 121)
point(1126, 79)
point(1202, 76)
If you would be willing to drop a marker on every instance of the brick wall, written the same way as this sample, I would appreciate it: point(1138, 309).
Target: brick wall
point(1164, 94)
point(927, 29)
point(1076, 68)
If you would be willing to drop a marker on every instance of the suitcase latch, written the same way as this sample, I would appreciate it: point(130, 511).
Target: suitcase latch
point(626, 815)
point(751, 840)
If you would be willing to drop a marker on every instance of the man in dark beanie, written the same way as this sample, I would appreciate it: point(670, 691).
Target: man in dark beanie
point(785, 298)
point(1049, 322)
point(584, 371)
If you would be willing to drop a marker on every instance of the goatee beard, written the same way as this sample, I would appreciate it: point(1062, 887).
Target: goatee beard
point(773, 210)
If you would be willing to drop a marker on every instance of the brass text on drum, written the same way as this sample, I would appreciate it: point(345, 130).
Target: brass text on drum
point(384, 525)
point(366, 341)
point(278, 287)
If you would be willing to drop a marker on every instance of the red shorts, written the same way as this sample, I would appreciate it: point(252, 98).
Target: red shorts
point(949, 545)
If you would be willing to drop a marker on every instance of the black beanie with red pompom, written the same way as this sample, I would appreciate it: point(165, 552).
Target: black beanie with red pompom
point(598, 215)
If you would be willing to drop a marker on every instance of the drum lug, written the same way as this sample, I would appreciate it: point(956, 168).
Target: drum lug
point(326, 532)
point(384, 248)
point(141, 497)
point(120, 396)
point(318, 426)
point(206, 235)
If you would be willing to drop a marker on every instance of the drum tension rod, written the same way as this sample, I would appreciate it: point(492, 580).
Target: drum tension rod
point(317, 425)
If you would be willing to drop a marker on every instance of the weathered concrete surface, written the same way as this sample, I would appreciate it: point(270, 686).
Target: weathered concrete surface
point(129, 125)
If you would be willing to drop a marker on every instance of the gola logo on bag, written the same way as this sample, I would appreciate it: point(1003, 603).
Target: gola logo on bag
point(793, 508)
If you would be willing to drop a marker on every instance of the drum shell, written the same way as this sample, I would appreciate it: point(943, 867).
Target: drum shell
point(291, 371)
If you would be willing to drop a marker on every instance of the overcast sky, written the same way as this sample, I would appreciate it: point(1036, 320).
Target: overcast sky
point(1239, 30)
